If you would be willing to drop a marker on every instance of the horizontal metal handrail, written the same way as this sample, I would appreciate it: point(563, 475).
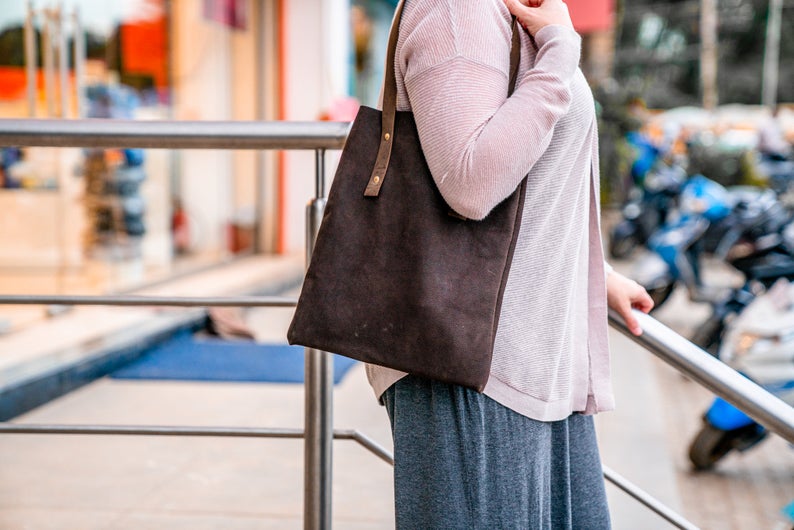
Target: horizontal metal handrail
point(202, 431)
point(362, 439)
point(171, 301)
point(149, 430)
point(647, 500)
point(174, 134)
point(713, 374)
point(671, 347)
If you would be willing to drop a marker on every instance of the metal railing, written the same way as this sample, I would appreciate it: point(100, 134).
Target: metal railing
point(316, 136)
point(712, 374)
point(313, 136)
point(318, 433)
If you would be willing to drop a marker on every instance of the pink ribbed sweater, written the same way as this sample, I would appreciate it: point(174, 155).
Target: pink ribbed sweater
point(551, 354)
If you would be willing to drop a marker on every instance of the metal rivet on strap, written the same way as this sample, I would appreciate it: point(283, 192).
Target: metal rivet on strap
point(376, 179)
point(387, 136)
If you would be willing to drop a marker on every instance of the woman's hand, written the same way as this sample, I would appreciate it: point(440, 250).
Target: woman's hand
point(624, 294)
point(535, 15)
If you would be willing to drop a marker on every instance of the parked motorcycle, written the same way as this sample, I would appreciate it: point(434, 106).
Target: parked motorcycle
point(740, 225)
point(778, 173)
point(757, 240)
point(676, 246)
point(760, 345)
point(646, 209)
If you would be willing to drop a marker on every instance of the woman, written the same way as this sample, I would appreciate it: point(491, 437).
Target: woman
point(522, 454)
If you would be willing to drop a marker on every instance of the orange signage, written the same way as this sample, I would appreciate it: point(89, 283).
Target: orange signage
point(144, 50)
point(591, 15)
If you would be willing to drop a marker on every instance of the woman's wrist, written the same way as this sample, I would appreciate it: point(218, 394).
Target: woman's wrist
point(546, 33)
point(559, 50)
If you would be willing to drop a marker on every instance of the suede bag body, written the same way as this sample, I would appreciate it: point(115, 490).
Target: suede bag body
point(395, 277)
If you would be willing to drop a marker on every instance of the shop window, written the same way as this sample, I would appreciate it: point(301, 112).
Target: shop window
point(123, 43)
point(370, 23)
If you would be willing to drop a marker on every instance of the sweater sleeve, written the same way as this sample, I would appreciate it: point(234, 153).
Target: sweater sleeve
point(478, 143)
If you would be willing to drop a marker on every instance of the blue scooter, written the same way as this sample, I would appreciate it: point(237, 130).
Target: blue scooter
point(676, 246)
point(741, 225)
point(760, 344)
point(646, 209)
point(657, 181)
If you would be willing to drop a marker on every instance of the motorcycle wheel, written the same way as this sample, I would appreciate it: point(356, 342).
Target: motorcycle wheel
point(659, 295)
point(622, 241)
point(709, 447)
point(712, 444)
point(709, 335)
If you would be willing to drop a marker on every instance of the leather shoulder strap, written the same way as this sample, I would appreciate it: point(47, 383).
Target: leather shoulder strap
point(515, 57)
point(389, 110)
point(390, 99)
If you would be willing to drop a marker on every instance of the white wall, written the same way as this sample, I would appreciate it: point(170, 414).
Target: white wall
point(202, 91)
point(211, 83)
point(317, 40)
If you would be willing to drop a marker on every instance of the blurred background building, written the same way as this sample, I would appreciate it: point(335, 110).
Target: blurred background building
point(144, 214)
point(65, 209)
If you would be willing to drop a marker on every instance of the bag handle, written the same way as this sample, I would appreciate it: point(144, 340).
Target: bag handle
point(390, 100)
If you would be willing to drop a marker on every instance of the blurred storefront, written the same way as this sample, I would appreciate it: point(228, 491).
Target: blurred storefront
point(99, 220)
point(109, 220)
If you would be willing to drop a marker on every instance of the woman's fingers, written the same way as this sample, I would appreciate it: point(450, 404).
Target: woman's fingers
point(517, 8)
point(624, 294)
point(644, 303)
point(638, 299)
point(523, 14)
point(534, 15)
point(531, 3)
point(630, 320)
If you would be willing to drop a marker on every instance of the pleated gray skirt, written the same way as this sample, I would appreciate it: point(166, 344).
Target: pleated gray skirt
point(463, 461)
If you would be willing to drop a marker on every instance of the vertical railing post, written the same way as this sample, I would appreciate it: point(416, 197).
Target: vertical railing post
point(319, 394)
point(59, 21)
point(31, 62)
point(49, 62)
point(78, 61)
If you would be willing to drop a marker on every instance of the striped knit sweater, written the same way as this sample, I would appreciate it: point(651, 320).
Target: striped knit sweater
point(551, 354)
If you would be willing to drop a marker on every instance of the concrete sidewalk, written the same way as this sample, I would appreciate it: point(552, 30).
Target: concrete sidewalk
point(51, 356)
point(121, 482)
point(82, 482)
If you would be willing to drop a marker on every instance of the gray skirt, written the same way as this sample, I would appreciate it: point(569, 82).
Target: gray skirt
point(462, 460)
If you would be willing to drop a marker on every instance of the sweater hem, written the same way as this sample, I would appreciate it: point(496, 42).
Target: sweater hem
point(534, 408)
point(381, 378)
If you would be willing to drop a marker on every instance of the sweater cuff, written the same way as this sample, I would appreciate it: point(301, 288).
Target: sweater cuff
point(551, 31)
point(562, 46)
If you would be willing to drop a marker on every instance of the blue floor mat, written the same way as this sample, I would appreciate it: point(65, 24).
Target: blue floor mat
point(185, 357)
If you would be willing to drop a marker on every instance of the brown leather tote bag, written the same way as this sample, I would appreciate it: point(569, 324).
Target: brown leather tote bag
point(395, 277)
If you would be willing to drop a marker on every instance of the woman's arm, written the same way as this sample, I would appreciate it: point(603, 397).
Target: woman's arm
point(478, 143)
